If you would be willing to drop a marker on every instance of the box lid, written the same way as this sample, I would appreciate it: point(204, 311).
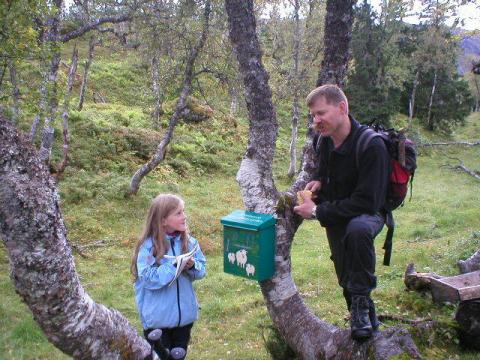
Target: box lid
point(248, 220)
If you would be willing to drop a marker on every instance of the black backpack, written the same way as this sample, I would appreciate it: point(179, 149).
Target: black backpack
point(403, 161)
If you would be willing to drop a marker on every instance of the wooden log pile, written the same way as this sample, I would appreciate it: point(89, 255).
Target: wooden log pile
point(464, 288)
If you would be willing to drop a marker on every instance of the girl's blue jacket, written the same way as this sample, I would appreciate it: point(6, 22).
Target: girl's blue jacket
point(160, 305)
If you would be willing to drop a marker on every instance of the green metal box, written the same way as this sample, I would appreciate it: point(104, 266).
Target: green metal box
point(249, 244)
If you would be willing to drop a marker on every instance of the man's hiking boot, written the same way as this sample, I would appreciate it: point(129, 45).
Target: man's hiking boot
point(373, 315)
point(359, 318)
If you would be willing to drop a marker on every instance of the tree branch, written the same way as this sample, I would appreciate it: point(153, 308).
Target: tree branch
point(122, 37)
point(470, 264)
point(462, 167)
point(94, 25)
point(418, 281)
point(450, 143)
point(159, 155)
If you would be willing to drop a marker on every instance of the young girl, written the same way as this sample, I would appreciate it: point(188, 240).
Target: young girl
point(171, 308)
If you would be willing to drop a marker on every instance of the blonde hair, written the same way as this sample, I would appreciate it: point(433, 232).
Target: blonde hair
point(331, 92)
point(162, 206)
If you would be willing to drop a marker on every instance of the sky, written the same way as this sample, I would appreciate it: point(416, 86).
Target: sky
point(470, 13)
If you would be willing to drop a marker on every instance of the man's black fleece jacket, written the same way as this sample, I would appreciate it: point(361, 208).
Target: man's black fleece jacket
point(348, 191)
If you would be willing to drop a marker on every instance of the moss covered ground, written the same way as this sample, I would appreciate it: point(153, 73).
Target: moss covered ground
point(110, 141)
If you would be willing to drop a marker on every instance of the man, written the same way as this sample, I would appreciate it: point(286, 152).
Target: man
point(349, 202)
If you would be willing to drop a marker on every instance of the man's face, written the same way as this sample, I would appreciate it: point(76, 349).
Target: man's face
point(327, 117)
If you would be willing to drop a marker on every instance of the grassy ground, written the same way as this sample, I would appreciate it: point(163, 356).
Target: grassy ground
point(439, 226)
point(110, 141)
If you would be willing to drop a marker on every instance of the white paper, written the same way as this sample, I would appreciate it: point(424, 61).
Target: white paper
point(181, 261)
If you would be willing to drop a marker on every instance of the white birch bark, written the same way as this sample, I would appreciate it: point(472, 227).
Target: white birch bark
point(412, 99)
point(307, 335)
point(295, 107)
point(233, 100)
point(88, 63)
point(15, 91)
point(430, 103)
point(42, 266)
point(65, 115)
point(157, 94)
point(159, 154)
point(49, 40)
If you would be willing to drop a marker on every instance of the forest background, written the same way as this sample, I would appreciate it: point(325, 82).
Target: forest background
point(120, 103)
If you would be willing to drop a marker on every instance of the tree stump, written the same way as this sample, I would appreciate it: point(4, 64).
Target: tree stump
point(468, 319)
point(471, 264)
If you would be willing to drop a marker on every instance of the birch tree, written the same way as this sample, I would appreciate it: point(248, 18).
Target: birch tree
point(51, 38)
point(337, 35)
point(66, 110)
point(86, 69)
point(310, 337)
point(15, 90)
point(189, 75)
point(296, 93)
point(42, 266)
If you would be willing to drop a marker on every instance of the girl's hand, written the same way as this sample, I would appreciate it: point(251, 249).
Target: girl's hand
point(190, 264)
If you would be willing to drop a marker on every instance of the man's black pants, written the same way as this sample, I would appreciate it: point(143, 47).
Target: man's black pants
point(353, 253)
point(171, 338)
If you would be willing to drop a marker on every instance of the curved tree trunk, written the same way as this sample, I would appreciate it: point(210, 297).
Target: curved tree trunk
point(159, 155)
point(430, 103)
point(65, 114)
point(338, 33)
point(477, 103)
point(42, 265)
point(157, 93)
point(42, 107)
point(411, 109)
point(233, 92)
point(50, 40)
point(3, 70)
point(15, 91)
point(295, 107)
point(310, 337)
point(88, 63)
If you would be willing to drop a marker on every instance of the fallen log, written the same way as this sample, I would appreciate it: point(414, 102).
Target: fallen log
point(450, 143)
point(418, 281)
point(471, 264)
point(404, 320)
point(463, 168)
point(444, 288)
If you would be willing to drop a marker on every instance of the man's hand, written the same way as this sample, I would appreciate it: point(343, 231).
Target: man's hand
point(305, 210)
point(313, 186)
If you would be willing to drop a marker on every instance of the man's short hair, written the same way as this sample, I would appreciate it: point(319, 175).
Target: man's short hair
point(331, 92)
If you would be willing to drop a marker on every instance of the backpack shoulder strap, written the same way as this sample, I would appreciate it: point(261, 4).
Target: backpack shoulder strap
point(366, 135)
point(317, 142)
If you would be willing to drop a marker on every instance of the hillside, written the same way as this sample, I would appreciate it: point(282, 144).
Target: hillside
point(111, 140)
point(470, 49)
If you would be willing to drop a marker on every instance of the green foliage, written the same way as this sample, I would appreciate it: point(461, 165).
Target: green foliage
point(452, 101)
point(231, 322)
point(109, 141)
point(18, 35)
point(375, 80)
point(387, 55)
point(120, 82)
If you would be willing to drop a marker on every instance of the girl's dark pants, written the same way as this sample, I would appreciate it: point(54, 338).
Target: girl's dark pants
point(353, 253)
point(171, 338)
